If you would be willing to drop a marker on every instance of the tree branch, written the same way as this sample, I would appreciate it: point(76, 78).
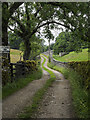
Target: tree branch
point(62, 5)
point(11, 28)
point(28, 18)
point(54, 22)
point(22, 27)
point(35, 30)
point(38, 11)
point(16, 31)
point(14, 7)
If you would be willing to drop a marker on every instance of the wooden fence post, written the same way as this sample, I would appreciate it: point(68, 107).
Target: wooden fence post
point(11, 68)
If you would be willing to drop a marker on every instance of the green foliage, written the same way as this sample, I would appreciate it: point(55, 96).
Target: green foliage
point(74, 56)
point(35, 47)
point(30, 65)
point(79, 94)
point(83, 69)
point(39, 62)
point(22, 46)
point(14, 40)
point(10, 88)
point(66, 42)
point(6, 75)
point(73, 18)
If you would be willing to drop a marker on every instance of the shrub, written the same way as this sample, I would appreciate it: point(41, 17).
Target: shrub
point(5, 70)
point(29, 65)
point(83, 69)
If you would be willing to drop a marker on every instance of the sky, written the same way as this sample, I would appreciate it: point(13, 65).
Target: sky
point(55, 33)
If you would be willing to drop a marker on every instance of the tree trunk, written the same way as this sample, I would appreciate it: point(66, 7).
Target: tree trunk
point(4, 24)
point(27, 50)
point(49, 52)
point(5, 18)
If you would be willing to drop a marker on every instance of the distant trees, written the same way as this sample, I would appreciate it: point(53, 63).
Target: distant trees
point(66, 42)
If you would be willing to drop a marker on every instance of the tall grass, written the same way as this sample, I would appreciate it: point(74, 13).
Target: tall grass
point(79, 94)
point(10, 88)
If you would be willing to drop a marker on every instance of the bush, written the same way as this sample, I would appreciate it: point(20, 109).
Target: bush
point(83, 69)
point(29, 65)
point(6, 76)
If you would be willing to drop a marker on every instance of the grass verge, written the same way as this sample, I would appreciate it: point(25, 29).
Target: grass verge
point(10, 88)
point(79, 94)
point(38, 96)
point(73, 56)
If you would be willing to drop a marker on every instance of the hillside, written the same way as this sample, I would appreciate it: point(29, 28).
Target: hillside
point(73, 56)
point(15, 55)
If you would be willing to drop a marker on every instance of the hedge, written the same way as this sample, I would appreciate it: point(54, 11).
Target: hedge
point(29, 66)
point(83, 68)
point(6, 75)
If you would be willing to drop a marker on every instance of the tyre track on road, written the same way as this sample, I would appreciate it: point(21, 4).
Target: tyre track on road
point(57, 102)
point(14, 104)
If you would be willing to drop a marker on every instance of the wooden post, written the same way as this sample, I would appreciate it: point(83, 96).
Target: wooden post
point(11, 68)
point(49, 52)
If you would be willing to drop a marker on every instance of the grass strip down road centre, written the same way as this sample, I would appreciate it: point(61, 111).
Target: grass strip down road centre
point(29, 111)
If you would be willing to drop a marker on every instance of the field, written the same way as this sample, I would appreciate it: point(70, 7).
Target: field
point(15, 55)
point(73, 56)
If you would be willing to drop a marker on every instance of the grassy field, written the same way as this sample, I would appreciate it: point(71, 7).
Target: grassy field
point(15, 55)
point(73, 56)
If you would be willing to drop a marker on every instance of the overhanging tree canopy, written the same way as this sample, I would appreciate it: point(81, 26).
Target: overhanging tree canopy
point(36, 15)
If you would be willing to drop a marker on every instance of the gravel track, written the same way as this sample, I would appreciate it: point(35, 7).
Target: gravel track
point(14, 104)
point(57, 102)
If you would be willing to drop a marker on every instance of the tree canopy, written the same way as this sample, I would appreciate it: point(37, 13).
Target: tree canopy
point(67, 42)
point(27, 20)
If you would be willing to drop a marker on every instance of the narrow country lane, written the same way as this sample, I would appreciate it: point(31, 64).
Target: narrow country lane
point(14, 104)
point(57, 102)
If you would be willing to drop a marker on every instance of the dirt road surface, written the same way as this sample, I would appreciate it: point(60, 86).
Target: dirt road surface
point(14, 104)
point(57, 102)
